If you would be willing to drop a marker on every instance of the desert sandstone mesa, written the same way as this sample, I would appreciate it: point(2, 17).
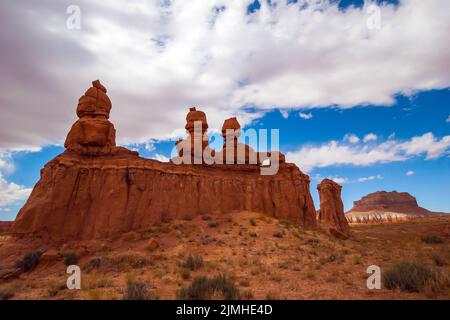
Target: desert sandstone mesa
point(95, 189)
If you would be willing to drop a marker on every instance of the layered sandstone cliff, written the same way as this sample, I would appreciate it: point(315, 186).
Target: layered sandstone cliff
point(5, 226)
point(383, 205)
point(95, 189)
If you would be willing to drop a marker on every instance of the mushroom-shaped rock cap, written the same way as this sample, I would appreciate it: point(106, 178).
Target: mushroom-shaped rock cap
point(328, 183)
point(195, 115)
point(231, 124)
point(94, 102)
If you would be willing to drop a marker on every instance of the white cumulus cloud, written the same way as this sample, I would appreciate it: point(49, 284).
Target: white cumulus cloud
point(10, 192)
point(370, 137)
point(345, 152)
point(410, 173)
point(158, 57)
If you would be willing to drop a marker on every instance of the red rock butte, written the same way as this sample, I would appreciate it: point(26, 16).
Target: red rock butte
point(95, 189)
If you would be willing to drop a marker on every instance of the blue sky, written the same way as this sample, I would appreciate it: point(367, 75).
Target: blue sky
point(367, 107)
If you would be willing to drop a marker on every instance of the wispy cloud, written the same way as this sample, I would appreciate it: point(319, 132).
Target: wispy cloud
point(410, 173)
point(161, 157)
point(305, 116)
point(369, 178)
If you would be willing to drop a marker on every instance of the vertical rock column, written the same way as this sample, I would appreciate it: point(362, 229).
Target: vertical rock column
point(331, 215)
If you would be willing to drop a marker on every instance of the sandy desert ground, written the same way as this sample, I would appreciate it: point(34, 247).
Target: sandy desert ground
point(261, 257)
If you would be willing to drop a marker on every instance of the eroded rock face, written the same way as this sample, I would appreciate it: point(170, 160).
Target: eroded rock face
point(97, 190)
point(81, 197)
point(383, 201)
point(331, 215)
point(5, 226)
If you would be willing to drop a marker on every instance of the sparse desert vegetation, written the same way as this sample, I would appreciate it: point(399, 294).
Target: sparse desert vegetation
point(195, 261)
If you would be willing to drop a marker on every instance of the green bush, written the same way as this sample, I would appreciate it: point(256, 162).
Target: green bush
point(204, 288)
point(193, 262)
point(29, 261)
point(413, 277)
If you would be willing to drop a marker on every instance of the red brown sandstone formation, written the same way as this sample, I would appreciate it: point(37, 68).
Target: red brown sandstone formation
point(331, 215)
point(5, 226)
point(87, 192)
point(394, 201)
point(195, 149)
point(93, 133)
point(233, 151)
point(383, 206)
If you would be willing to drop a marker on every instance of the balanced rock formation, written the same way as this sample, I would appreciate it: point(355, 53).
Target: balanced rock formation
point(195, 149)
point(93, 134)
point(97, 190)
point(331, 215)
point(234, 151)
point(383, 205)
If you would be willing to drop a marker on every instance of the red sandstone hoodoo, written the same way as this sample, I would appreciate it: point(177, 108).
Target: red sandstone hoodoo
point(96, 190)
point(331, 215)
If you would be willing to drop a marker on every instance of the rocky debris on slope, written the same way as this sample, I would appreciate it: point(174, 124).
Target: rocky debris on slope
point(386, 206)
point(96, 190)
point(331, 215)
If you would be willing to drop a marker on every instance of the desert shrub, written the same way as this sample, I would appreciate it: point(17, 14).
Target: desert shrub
point(432, 240)
point(29, 261)
point(213, 224)
point(272, 295)
point(253, 234)
point(413, 277)
point(253, 222)
point(203, 288)
point(193, 262)
point(136, 261)
point(55, 288)
point(310, 275)
point(94, 263)
point(70, 258)
point(247, 294)
point(438, 260)
point(206, 217)
point(6, 294)
point(138, 290)
point(278, 234)
point(185, 273)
